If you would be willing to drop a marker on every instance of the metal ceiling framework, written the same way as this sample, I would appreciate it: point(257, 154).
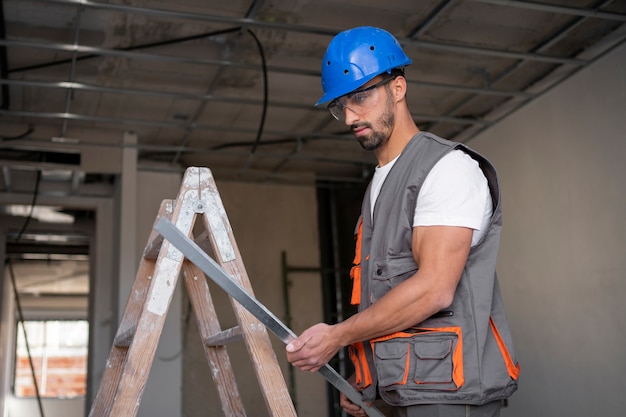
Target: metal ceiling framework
point(502, 79)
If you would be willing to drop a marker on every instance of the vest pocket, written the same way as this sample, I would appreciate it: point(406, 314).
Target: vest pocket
point(393, 355)
point(387, 273)
point(422, 359)
point(433, 361)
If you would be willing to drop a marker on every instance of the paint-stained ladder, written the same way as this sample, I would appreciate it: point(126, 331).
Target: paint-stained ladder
point(135, 343)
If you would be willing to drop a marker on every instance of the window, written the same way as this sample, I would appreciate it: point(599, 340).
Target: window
point(59, 353)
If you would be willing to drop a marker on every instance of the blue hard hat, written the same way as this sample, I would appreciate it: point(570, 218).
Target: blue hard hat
point(357, 55)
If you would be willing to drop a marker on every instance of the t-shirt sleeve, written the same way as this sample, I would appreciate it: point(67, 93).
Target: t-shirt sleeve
point(455, 193)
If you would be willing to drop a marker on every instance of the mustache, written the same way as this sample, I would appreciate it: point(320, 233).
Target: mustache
point(355, 126)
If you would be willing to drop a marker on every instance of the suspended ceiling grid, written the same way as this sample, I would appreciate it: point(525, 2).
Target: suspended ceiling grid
point(231, 85)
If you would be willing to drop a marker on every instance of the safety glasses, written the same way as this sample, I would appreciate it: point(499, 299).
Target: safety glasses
point(358, 101)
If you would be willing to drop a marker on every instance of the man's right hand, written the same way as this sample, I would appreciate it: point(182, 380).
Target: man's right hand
point(350, 407)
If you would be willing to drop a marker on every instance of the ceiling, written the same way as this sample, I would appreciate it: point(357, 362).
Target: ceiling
point(231, 85)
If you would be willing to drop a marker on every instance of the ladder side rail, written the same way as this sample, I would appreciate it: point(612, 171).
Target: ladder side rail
point(256, 337)
point(105, 395)
point(152, 317)
point(217, 356)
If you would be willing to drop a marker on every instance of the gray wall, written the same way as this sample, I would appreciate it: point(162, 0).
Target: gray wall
point(562, 167)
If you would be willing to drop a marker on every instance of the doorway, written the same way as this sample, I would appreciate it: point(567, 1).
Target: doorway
point(45, 301)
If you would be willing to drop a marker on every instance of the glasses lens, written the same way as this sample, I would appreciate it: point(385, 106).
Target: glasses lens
point(357, 101)
point(336, 109)
point(361, 99)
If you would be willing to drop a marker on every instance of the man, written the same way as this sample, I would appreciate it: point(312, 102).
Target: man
point(430, 336)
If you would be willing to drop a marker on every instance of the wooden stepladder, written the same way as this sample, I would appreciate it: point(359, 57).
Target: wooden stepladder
point(135, 343)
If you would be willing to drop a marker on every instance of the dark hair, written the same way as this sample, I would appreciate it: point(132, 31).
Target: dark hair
point(397, 72)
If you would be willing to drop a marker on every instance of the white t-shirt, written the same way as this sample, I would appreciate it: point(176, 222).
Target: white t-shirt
point(455, 193)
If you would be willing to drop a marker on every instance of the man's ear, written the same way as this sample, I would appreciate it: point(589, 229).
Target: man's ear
point(398, 87)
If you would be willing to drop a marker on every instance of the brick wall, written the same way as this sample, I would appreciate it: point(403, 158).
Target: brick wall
point(65, 376)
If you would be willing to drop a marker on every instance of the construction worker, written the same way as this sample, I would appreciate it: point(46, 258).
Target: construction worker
point(430, 336)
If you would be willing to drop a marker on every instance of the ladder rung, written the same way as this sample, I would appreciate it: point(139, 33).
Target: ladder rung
point(153, 247)
point(126, 337)
point(225, 337)
point(155, 240)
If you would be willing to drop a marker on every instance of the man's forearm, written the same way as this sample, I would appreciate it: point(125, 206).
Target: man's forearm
point(407, 304)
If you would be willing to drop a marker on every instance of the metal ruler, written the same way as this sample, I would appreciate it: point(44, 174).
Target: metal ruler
point(217, 274)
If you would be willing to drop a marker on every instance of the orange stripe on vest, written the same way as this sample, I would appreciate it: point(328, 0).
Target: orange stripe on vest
point(355, 272)
point(510, 366)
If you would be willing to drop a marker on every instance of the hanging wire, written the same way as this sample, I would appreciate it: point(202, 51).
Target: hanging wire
point(17, 294)
point(21, 320)
point(265, 99)
point(18, 137)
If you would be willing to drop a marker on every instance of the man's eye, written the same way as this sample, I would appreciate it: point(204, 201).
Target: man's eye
point(358, 97)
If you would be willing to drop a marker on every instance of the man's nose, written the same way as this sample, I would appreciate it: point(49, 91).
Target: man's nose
point(350, 116)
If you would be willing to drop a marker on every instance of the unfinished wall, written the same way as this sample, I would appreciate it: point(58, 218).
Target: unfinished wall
point(562, 264)
point(266, 220)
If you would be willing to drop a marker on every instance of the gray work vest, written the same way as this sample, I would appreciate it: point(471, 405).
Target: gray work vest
point(463, 355)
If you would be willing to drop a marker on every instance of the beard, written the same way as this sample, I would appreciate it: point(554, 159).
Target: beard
point(380, 135)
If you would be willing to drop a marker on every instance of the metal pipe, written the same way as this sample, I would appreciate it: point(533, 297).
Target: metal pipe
point(5, 95)
point(287, 306)
point(164, 94)
point(576, 11)
point(178, 95)
point(139, 55)
point(69, 93)
point(182, 125)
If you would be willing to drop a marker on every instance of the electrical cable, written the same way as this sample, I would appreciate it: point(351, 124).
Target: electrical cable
point(18, 137)
point(32, 208)
point(4, 62)
point(17, 295)
point(127, 49)
point(265, 100)
point(26, 344)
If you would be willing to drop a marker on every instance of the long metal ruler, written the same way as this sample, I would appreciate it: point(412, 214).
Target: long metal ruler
point(217, 274)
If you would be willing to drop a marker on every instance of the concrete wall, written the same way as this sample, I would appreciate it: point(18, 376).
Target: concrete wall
point(562, 167)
